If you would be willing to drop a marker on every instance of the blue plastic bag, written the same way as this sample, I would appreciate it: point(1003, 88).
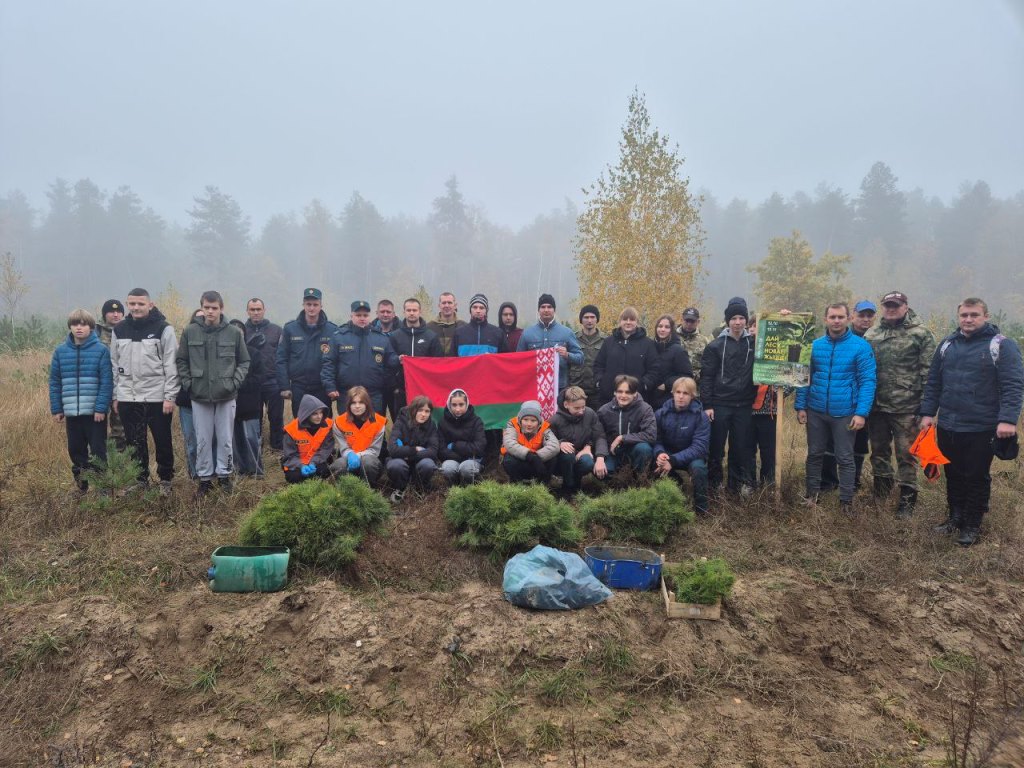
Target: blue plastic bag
point(553, 580)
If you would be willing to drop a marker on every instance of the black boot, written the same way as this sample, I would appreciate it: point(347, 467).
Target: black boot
point(225, 483)
point(969, 536)
point(951, 524)
point(205, 486)
point(908, 500)
point(883, 487)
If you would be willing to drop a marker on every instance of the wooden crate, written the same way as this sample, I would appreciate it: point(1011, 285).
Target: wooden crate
point(676, 610)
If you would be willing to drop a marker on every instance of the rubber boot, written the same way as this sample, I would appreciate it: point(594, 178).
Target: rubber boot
point(908, 500)
point(951, 524)
point(883, 487)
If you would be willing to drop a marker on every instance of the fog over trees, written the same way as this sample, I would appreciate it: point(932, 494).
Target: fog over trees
point(88, 244)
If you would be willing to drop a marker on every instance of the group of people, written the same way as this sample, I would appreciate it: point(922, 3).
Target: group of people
point(665, 404)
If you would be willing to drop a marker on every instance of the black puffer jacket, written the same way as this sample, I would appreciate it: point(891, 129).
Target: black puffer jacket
point(412, 435)
point(581, 430)
point(465, 434)
point(674, 363)
point(416, 341)
point(636, 356)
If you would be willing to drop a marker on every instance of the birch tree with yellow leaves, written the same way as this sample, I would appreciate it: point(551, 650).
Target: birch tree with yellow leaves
point(639, 238)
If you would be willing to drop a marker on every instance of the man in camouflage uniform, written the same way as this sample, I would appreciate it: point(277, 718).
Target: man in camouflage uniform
point(112, 314)
point(590, 339)
point(692, 339)
point(903, 350)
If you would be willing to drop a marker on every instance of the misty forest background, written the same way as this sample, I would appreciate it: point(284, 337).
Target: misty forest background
point(89, 244)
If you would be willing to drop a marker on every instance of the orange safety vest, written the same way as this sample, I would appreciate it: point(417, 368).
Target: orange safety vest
point(926, 448)
point(533, 443)
point(306, 443)
point(359, 438)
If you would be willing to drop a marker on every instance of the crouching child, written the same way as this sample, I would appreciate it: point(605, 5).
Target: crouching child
point(581, 441)
point(81, 386)
point(529, 447)
point(684, 433)
point(463, 441)
point(359, 434)
point(413, 445)
point(307, 447)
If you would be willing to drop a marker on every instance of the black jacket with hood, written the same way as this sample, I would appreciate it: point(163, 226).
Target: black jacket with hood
point(465, 434)
point(727, 371)
point(635, 356)
point(581, 431)
point(636, 422)
point(412, 435)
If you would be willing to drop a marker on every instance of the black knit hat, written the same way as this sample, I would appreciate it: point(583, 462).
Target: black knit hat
point(479, 298)
point(546, 298)
point(737, 306)
point(590, 309)
point(111, 305)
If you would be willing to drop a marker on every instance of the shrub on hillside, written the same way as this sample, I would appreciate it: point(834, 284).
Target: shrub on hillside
point(509, 518)
point(701, 581)
point(323, 523)
point(639, 514)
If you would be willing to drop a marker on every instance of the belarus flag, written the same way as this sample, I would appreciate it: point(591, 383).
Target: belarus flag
point(497, 384)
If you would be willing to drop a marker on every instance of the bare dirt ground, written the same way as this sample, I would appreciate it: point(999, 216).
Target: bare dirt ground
point(845, 643)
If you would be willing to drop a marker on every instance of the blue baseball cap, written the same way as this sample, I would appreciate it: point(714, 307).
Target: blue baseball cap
point(865, 306)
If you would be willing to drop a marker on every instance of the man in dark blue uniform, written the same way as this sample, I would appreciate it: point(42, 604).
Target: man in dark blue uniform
point(304, 342)
point(357, 354)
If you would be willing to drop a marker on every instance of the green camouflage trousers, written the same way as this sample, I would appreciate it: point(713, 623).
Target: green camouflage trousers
point(885, 430)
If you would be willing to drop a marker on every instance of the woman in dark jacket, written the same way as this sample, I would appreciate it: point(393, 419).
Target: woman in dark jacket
point(462, 440)
point(684, 433)
point(413, 443)
point(673, 361)
point(249, 408)
point(628, 351)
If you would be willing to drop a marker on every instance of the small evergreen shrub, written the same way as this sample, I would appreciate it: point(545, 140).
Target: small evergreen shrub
point(510, 518)
point(701, 580)
point(323, 523)
point(107, 479)
point(639, 514)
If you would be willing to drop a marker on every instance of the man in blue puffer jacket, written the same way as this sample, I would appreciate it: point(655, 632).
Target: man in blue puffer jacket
point(81, 386)
point(837, 402)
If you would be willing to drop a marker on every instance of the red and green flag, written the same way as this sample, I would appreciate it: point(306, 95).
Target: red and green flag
point(497, 385)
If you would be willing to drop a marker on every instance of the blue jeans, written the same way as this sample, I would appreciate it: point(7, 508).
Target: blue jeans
point(698, 471)
point(188, 434)
point(466, 472)
point(573, 468)
point(639, 457)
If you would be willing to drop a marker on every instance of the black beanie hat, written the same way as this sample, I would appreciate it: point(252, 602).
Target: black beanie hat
point(479, 298)
point(546, 298)
point(737, 306)
point(111, 305)
point(590, 308)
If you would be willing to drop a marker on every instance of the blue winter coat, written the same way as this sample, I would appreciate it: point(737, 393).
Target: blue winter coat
point(81, 379)
point(971, 391)
point(540, 336)
point(842, 377)
point(301, 351)
point(684, 435)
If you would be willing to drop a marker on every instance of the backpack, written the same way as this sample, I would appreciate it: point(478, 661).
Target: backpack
point(993, 347)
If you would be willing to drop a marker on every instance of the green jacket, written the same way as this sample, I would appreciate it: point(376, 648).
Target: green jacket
point(903, 355)
point(694, 344)
point(212, 361)
point(583, 375)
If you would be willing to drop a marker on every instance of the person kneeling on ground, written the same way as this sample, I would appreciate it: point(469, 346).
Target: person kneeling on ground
point(413, 443)
point(684, 432)
point(306, 450)
point(463, 441)
point(359, 434)
point(582, 444)
point(529, 447)
point(629, 425)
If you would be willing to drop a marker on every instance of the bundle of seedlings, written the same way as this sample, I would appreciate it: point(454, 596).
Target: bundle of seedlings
point(322, 523)
point(639, 514)
point(510, 518)
point(700, 581)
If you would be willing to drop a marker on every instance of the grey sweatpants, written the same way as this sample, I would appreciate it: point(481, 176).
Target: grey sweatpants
point(819, 427)
point(212, 419)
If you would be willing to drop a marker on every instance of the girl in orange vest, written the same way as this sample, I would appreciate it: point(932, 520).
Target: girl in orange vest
point(359, 433)
point(529, 447)
point(307, 445)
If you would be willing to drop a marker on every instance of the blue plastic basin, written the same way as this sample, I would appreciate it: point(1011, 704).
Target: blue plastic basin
point(624, 567)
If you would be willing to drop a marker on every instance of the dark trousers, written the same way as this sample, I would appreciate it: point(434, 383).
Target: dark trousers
point(389, 402)
point(139, 420)
point(530, 468)
point(271, 400)
point(298, 390)
point(762, 440)
point(85, 436)
point(400, 470)
point(731, 424)
point(820, 429)
point(573, 468)
point(968, 482)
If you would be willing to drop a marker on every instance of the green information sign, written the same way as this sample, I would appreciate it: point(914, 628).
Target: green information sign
point(782, 355)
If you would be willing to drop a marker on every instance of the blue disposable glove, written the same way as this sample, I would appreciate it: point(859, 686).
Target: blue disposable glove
point(451, 446)
point(353, 461)
point(398, 441)
point(308, 469)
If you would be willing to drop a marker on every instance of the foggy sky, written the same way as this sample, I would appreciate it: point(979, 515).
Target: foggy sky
point(278, 103)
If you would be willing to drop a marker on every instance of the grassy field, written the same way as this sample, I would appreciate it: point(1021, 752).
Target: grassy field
point(863, 642)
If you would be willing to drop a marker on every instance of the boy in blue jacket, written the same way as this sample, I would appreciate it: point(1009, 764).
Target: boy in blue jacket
point(81, 386)
point(684, 433)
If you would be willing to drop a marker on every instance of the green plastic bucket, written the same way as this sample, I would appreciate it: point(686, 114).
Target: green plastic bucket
point(248, 569)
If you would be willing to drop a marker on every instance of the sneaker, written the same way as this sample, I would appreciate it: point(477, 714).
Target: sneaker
point(205, 486)
point(397, 496)
point(746, 491)
point(225, 484)
point(846, 508)
point(809, 501)
point(165, 488)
